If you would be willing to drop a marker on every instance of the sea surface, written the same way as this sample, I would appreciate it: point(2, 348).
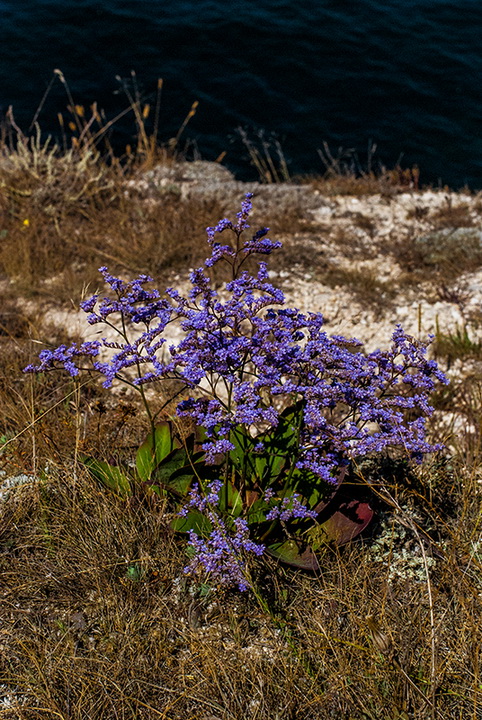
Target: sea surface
point(405, 75)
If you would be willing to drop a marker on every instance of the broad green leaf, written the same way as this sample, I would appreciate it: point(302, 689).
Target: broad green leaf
point(242, 442)
point(309, 486)
point(189, 444)
point(276, 466)
point(180, 481)
point(280, 443)
point(155, 448)
point(260, 464)
point(110, 476)
point(257, 512)
point(145, 460)
point(193, 521)
point(317, 492)
point(294, 553)
point(230, 500)
point(172, 462)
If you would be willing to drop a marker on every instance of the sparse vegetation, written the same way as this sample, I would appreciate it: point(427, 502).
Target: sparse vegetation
point(457, 345)
point(452, 216)
point(365, 285)
point(346, 174)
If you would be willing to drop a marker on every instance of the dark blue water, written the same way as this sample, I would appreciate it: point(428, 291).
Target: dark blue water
point(406, 74)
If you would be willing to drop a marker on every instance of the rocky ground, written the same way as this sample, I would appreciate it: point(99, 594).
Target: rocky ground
point(366, 262)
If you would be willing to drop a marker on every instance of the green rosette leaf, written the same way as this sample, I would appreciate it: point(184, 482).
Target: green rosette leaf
point(194, 520)
point(111, 476)
point(155, 449)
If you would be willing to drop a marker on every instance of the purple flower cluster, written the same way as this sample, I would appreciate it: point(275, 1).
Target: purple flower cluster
point(132, 305)
point(291, 508)
point(66, 356)
point(223, 554)
point(237, 254)
point(132, 301)
point(257, 356)
point(202, 501)
point(245, 357)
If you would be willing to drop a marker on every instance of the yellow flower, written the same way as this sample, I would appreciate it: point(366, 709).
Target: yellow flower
point(26, 222)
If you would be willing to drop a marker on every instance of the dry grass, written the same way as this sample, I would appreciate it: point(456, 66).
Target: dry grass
point(439, 256)
point(82, 635)
point(55, 235)
point(68, 208)
point(452, 216)
point(346, 174)
point(65, 215)
point(364, 284)
point(448, 247)
point(358, 185)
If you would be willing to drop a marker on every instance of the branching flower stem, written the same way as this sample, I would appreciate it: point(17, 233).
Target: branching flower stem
point(263, 381)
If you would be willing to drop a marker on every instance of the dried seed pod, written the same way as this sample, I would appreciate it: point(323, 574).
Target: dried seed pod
point(380, 639)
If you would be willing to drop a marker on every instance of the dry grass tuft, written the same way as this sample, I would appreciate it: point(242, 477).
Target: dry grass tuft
point(452, 216)
point(364, 284)
point(440, 256)
point(68, 208)
point(346, 174)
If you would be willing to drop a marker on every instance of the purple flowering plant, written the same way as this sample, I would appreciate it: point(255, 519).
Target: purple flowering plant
point(281, 407)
